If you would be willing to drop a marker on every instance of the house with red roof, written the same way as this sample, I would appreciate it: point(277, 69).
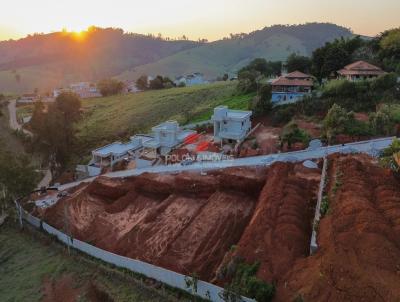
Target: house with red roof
point(360, 70)
point(291, 87)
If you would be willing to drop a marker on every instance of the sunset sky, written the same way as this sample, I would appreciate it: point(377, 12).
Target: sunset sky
point(211, 19)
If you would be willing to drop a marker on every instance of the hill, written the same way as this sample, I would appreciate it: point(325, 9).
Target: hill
point(47, 61)
point(228, 55)
point(118, 117)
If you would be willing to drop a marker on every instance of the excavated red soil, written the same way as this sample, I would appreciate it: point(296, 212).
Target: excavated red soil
point(65, 289)
point(193, 223)
point(359, 254)
point(185, 222)
point(280, 229)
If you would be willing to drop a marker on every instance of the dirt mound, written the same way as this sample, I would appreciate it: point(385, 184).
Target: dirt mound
point(280, 229)
point(359, 254)
point(108, 189)
point(66, 289)
point(218, 226)
point(186, 222)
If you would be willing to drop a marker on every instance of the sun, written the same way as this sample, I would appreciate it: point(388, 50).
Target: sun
point(79, 35)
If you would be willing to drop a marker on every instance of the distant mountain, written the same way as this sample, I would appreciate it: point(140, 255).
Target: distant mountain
point(228, 55)
point(47, 61)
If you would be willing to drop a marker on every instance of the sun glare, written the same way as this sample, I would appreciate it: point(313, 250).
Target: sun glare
point(79, 35)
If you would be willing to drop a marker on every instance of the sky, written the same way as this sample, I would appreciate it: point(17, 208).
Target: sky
point(210, 19)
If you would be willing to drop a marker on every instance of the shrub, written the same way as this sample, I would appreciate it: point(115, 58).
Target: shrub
point(293, 134)
point(245, 282)
point(324, 206)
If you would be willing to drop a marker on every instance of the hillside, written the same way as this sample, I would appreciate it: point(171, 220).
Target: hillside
point(35, 268)
point(118, 117)
point(47, 61)
point(272, 43)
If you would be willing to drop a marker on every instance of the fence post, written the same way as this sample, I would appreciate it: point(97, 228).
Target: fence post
point(18, 207)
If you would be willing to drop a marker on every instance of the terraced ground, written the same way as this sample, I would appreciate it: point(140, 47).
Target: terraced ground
point(209, 224)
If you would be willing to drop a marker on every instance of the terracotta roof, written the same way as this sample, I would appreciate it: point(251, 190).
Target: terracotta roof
point(283, 81)
point(361, 68)
point(297, 75)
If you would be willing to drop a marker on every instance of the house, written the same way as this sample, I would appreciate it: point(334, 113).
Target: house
point(113, 153)
point(291, 87)
point(360, 70)
point(166, 136)
point(28, 98)
point(196, 78)
point(84, 90)
point(230, 124)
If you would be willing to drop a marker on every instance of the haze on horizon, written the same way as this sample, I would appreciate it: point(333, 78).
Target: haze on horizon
point(210, 19)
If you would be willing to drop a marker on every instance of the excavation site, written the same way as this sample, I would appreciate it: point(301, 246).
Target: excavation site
point(207, 224)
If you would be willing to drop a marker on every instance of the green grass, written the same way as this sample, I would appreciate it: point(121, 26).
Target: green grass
point(118, 117)
point(24, 111)
point(225, 56)
point(28, 258)
point(239, 102)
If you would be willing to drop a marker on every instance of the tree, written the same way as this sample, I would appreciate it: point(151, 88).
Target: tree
point(157, 83)
point(262, 104)
point(17, 178)
point(292, 134)
point(333, 56)
point(382, 121)
point(335, 121)
point(248, 80)
point(109, 87)
point(38, 118)
point(301, 63)
point(56, 135)
point(225, 77)
point(142, 83)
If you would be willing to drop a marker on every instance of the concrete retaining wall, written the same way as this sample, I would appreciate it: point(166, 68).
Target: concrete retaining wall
point(317, 216)
point(204, 289)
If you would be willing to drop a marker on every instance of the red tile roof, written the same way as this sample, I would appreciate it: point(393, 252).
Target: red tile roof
point(283, 81)
point(297, 75)
point(361, 68)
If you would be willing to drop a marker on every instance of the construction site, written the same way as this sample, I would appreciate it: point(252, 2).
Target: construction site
point(205, 223)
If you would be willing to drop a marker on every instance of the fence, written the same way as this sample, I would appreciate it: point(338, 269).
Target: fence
point(205, 290)
point(313, 243)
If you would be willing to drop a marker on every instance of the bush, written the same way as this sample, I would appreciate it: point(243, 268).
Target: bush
point(245, 282)
point(109, 87)
point(283, 114)
point(324, 206)
point(293, 134)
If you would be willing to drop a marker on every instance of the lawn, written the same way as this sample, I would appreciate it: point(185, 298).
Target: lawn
point(118, 117)
point(28, 258)
point(24, 111)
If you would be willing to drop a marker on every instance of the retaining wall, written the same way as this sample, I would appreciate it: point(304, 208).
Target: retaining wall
point(204, 289)
point(317, 216)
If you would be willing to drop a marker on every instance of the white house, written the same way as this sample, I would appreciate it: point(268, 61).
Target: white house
point(196, 78)
point(84, 90)
point(231, 124)
point(28, 98)
point(113, 153)
point(166, 136)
